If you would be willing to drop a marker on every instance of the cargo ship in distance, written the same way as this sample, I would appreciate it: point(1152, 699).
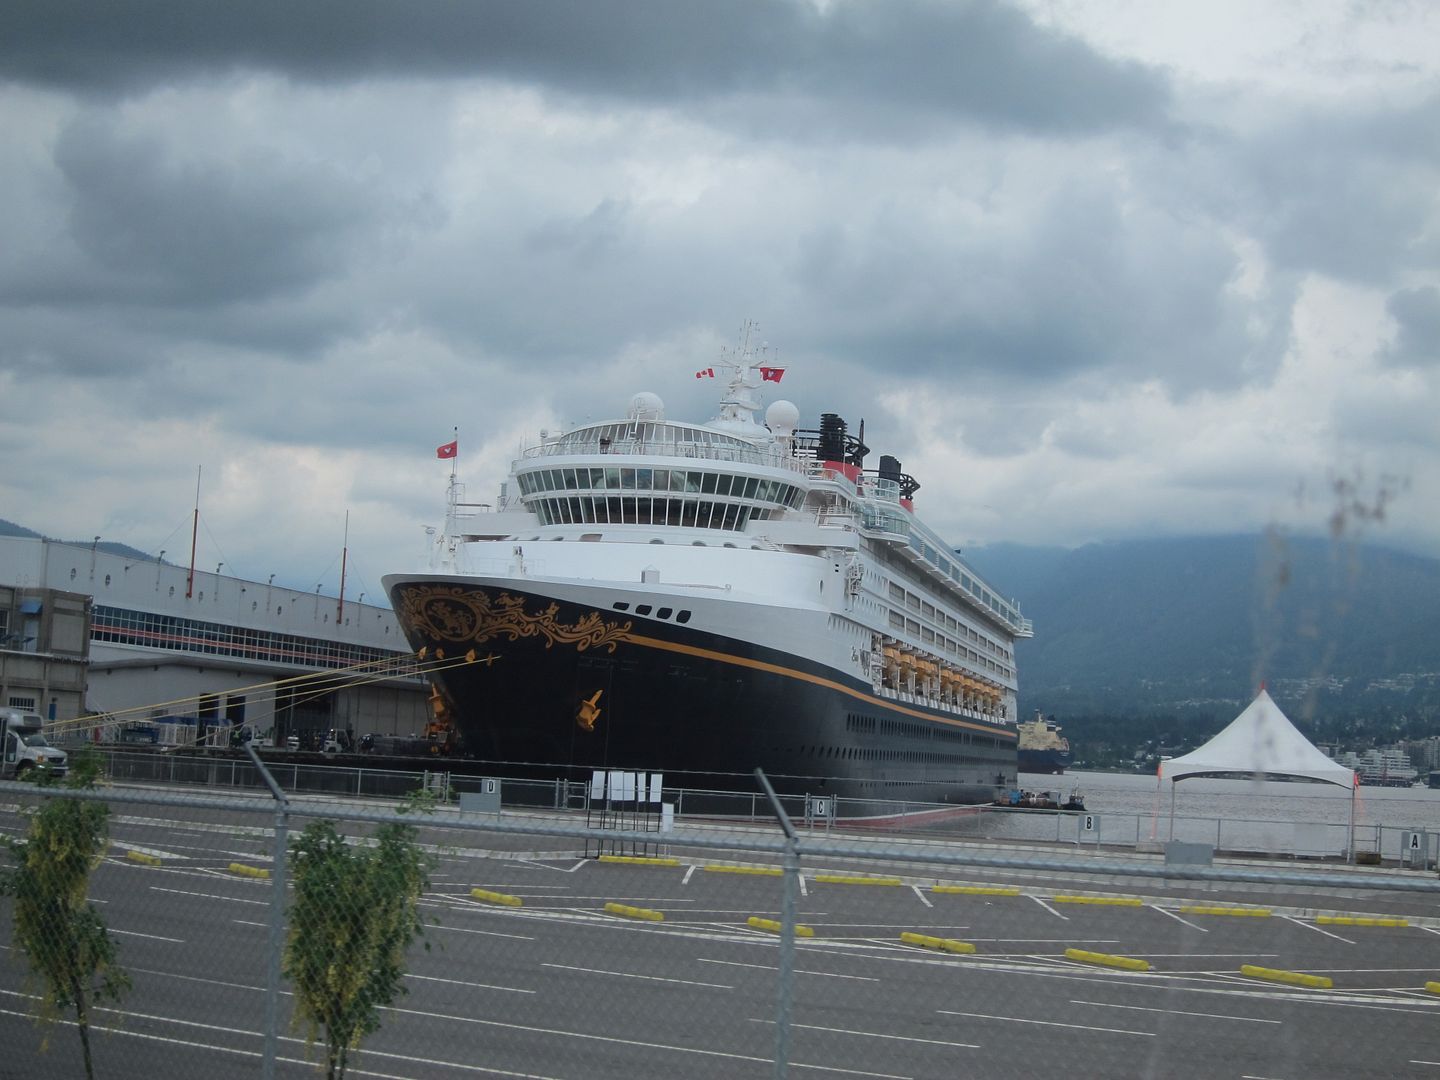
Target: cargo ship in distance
point(703, 599)
point(1042, 748)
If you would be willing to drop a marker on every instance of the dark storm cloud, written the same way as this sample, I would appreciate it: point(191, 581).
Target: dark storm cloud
point(1349, 193)
point(192, 230)
point(1417, 318)
point(972, 61)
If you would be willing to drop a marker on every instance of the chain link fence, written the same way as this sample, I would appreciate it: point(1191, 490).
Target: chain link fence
point(277, 935)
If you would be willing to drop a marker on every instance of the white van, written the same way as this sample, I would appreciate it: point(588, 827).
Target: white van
point(23, 745)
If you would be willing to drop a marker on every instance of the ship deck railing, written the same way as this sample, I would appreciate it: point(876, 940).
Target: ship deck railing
point(687, 451)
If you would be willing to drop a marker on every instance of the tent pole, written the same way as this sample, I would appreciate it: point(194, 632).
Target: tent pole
point(1172, 808)
point(1351, 858)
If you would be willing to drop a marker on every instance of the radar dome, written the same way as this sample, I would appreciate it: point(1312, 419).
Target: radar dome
point(782, 417)
point(647, 406)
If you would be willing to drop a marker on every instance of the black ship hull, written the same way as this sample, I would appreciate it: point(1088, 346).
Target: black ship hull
point(1045, 761)
point(558, 689)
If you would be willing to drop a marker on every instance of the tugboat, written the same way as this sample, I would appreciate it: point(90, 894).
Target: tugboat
point(1017, 799)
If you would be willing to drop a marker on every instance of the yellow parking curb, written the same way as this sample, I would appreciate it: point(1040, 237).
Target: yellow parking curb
point(847, 879)
point(1111, 901)
point(640, 860)
point(1358, 920)
point(775, 926)
point(143, 857)
point(1201, 909)
point(496, 897)
point(977, 890)
point(925, 941)
point(774, 871)
point(1433, 987)
point(1128, 963)
point(1294, 978)
point(248, 871)
point(635, 912)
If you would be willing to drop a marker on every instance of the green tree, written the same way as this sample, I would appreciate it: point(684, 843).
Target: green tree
point(64, 938)
point(354, 915)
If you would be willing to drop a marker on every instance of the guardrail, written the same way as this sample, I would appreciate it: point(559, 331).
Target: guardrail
point(1096, 829)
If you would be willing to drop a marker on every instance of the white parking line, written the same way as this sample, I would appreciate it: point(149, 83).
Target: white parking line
point(1173, 1012)
point(1050, 909)
point(1046, 1023)
point(1178, 919)
point(631, 975)
point(923, 898)
point(873, 1034)
point(1308, 926)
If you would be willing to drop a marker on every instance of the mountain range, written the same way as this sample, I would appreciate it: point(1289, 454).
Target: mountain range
point(1340, 634)
point(1197, 625)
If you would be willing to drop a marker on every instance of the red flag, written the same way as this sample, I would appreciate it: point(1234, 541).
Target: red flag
point(449, 450)
point(705, 373)
point(771, 374)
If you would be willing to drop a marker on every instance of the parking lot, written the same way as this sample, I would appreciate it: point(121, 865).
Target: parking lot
point(559, 986)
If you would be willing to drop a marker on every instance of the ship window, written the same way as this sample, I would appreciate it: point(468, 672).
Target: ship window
point(896, 592)
point(657, 540)
point(743, 519)
point(683, 616)
point(627, 479)
point(612, 479)
point(663, 613)
point(749, 491)
point(642, 609)
point(929, 609)
point(620, 605)
point(692, 482)
point(569, 479)
point(912, 626)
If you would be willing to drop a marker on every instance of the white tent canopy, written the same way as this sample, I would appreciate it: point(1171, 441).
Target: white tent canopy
point(1261, 741)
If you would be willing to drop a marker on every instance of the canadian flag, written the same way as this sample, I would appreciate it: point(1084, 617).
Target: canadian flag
point(771, 374)
point(449, 450)
point(705, 373)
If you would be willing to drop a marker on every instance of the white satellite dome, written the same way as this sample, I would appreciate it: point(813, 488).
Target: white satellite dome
point(647, 406)
point(782, 417)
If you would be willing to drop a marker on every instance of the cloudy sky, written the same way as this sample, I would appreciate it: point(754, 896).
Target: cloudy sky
point(1090, 270)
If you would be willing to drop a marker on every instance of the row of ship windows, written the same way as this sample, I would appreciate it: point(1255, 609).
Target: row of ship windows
point(642, 433)
point(863, 724)
point(940, 641)
point(868, 753)
point(930, 611)
point(689, 482)
point(681, 616)
point(628, 510)
point(122, 626)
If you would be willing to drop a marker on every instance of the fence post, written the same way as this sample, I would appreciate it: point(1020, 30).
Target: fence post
point(277, 919)
point(786, 980)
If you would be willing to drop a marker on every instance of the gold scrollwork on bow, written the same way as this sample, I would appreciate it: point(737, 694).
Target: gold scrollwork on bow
point(458, 613)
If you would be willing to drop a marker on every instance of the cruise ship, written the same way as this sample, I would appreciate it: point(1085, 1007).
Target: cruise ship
point(699, 599)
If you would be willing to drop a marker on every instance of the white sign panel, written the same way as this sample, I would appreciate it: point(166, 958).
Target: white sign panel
point(667, 816)
point(1089, 823)
point(597, 784)
point(655, 784)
